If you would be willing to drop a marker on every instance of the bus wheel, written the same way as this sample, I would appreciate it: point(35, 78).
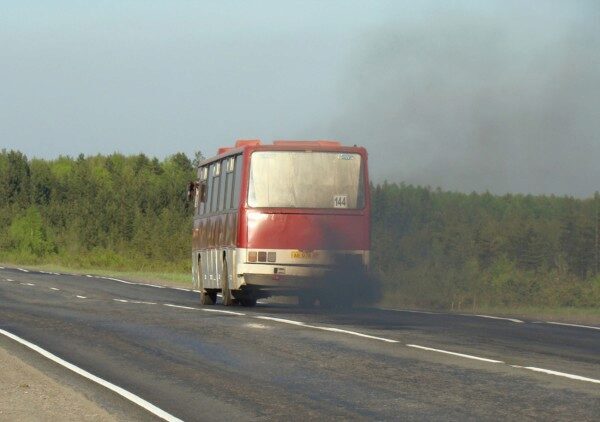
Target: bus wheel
point(248, 301)
point(225, 291)
point(208, 297)
point(307, 300)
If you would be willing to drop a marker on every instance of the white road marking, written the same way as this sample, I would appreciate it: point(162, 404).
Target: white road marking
point(254, 325)
point(573, 325)
point(560, 374)
point(318, 327)
point(56, 273)
point(455, 354)
point(23, 269)
point(120, 391)
point(9, 279)
point(27, 284)
point(181, 288)
point(180, 307)
point(119, 280)
point(81, 297)
point(221, 311)
point(410, 311)
point(142, 302)
point(121, 300)
point(89, 275)
point(1, 268)
point(518, 321)
point(54, 288)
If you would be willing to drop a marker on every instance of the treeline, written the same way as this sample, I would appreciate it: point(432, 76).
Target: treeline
point(115, 211)
point(463, 251)
point(430, 248)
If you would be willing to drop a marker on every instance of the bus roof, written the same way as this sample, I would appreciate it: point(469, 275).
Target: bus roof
point(243, 143)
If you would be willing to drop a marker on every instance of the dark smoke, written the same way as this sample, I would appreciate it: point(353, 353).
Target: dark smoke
point(506, 102)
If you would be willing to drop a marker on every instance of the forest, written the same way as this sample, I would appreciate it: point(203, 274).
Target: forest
point(430, 248)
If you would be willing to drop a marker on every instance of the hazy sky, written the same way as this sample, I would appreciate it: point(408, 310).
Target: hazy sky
point(467, 95)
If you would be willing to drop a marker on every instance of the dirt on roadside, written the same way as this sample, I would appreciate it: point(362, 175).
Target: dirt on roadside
point(26, 394)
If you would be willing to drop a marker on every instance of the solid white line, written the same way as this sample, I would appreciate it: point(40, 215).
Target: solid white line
point(116, 279)
point(90, 276)
point(573, 325)
point(560, 374)
point(1, 268)
point(455, 354)
point(22, 269)
point(319, 327)
point(54, 288)
point(495, 317)
point(56, 273)
point(181, 288)
point(120, 391)
point(81, 297)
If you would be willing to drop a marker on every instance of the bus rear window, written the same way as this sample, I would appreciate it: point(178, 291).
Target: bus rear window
point(305, 179)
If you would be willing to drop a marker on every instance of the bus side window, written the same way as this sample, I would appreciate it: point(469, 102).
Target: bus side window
point(229, 190)
point(216, 170)
point(223, 186)
point(209, 182)
point(201, 193)
point(237, 181)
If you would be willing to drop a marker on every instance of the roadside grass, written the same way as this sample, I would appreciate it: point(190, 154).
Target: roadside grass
point(573, 315)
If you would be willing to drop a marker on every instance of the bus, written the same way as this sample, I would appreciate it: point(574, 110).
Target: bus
point(290, 218)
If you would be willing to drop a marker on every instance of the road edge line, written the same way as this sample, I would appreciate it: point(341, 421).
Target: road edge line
point(115, 388)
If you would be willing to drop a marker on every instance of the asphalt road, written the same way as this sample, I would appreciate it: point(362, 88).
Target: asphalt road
point(276, 362)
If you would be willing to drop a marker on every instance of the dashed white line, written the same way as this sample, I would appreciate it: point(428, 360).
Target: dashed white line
point(27, 284)
point(121, 300)
point(559, 374)
point(518, 321)
point(54, 288)
point(89, 276)
point(180, 306)
point(120, 391)
point(23, 269)
point(220, 311)
point(455, 354)
point(9, 279)
point(1, 268)
point(573, 325)
point(332, 329)
point(81, 297)
point(142, 302)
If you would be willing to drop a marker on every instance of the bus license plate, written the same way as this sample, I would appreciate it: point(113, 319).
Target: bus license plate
point(303, 254)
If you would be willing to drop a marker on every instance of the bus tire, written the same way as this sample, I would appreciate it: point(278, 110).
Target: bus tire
point(208, 297)
point(225, 291)
point(248, 301)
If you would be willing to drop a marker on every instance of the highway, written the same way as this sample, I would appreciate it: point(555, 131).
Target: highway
point(276, 362)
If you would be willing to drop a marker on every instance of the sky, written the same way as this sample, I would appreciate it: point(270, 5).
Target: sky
point(501, 96)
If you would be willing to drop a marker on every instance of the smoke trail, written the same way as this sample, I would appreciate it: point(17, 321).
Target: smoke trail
point(506, 103)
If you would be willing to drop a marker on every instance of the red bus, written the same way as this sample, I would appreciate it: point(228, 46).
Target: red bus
point(288, 218)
